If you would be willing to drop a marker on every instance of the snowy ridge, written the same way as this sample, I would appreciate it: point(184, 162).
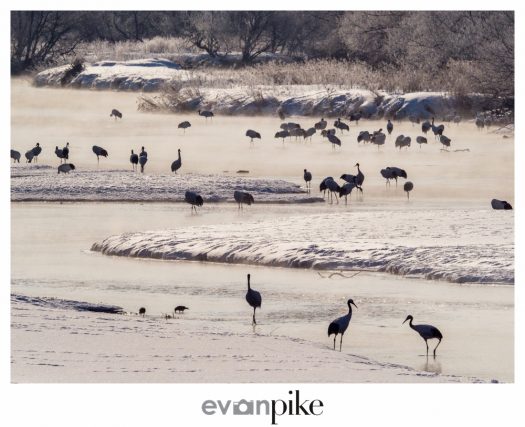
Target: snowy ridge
point(44, 183)
point(480, 251)
point(66, 304)
point(149, 75)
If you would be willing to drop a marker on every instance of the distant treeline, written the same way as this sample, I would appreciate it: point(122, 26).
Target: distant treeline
point(477, 46)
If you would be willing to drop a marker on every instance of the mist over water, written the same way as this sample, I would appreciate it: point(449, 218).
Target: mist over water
point(55, 116)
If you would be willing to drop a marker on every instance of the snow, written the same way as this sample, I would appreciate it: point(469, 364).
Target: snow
point(44, 183)
point(146, 74)
point(151, 74)
point(417, 243)
point(56, 343)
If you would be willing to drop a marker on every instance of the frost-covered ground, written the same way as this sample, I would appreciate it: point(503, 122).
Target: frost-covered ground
point(44, 183)
point(57, 343)
point(421, 243)
point(151, 74)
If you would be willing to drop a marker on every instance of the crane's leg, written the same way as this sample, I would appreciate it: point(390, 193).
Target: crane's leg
point(427, 346)
point(335, 336)
point(436, 348)
point(341, 343)
point(254, 322)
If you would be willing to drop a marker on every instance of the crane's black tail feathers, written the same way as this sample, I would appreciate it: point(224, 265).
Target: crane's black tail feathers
point(333, 328)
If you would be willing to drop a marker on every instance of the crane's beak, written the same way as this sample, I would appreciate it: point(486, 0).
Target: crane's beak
point(353, 304)
point(404, 321)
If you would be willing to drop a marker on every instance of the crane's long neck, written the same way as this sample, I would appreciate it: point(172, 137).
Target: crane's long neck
point(179, 155)
point(411, 325)
point(249, 283)
point(349, 309)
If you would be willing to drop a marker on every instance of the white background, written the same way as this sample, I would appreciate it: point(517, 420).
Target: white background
point(178, 404)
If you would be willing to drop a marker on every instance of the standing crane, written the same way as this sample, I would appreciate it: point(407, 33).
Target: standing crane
point(134, 159)
point(308, 179)
point(99, 151)
point(339, 325)
point(254, 299)
point(176, 165)
point(426, 332)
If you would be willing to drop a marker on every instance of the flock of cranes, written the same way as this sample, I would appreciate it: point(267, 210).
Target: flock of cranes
point(288, 130)
point(335, 328)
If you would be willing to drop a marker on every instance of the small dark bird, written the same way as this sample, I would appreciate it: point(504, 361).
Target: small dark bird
point(115, 113)
point(426, 332)
point(134, 159)
point(37, 149)
point(15, 155)
point(206, 114)
point(59, 153)
point(408, 188)
point(341, 125)
point(444, 140)
point(254, 299)
point(307, 176)
point(65, 152)
point(176, 165)
point(282, 134)
point(143, 159)
point(500, 204)
point(184, 125)
point(29, 156)
point(355, 117)
point(252, 134)
point(334, 140)
point(242, 197)
point(308, 133)
point(66, 167)
point(323, 187)
point(425, 126)
point(364, 136)
point(321, 125)
point(142, 311)
point(99, 151)
point(339, 326)
point(180, 309)
point(389, 127)
point(378, 138)
point(421, 140)
point(346, 189)
point(193, 199)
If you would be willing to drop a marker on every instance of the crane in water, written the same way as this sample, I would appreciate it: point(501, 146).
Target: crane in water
point(340, 325)
point(254, 299)
point(426, 332)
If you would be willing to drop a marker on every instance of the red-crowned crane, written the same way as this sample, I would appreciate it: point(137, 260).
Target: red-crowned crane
point(184, 125)
point(254, 299)
point(253, 134)
point(175, 166)
point(408, 187)
point(15, 155)
point(341, 125)
point(307, 176)
point(421, 140)
point(206, 114)
point(193, 199)
point(389, 127)
point(340, 325)
point(426, 332)
point(321, 124)
point(115, 113)
point(66, 168)
point(134, 159)
point(143, 159)
point(99, 151)
point(241, 197)
point(37, 149)
point(347, 188)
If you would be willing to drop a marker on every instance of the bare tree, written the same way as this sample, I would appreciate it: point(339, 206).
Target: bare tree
point(39, 37)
